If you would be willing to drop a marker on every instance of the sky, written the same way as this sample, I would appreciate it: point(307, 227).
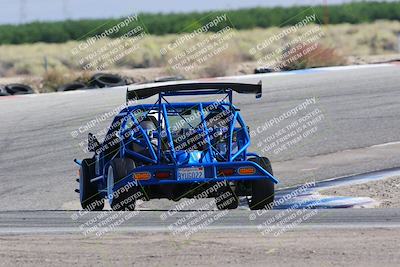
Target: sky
point(23, 11)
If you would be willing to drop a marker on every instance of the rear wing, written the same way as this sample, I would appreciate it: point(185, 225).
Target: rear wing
point(143, 91)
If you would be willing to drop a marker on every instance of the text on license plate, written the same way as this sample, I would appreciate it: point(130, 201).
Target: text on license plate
point(190, 173)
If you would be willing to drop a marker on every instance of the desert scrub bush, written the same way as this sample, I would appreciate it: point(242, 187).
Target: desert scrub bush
point(219, 66)
point(311, 55)
point(54, 78)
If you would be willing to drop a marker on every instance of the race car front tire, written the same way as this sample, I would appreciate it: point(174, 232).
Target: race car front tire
point(89, 196)
point(263, 190)
point(124, 198)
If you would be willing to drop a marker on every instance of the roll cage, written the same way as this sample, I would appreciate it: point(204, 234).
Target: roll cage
point(166, 151)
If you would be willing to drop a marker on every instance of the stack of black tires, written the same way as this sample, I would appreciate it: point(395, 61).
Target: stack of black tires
point(15, 89)
point(98, 80)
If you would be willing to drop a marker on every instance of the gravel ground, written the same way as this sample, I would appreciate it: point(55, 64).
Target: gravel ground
point(317, 247)
point(387, 191)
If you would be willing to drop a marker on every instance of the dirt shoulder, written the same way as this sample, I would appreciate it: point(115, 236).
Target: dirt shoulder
point(318, 247)
point(386, 191)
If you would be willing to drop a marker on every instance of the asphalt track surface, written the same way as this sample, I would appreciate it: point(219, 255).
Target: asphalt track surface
point(361, 108)
point(360, 133)
point(30, 222)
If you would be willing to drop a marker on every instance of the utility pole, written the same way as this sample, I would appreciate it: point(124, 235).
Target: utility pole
point(326, 12)
point(22, 11)
point(398, 42)
point(65, 4)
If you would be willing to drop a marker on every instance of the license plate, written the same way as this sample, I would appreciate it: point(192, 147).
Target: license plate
point(190, 173)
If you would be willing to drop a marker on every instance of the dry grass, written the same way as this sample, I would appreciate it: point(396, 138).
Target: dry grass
point(338, 42)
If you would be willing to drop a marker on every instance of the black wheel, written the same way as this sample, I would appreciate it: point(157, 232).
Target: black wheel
point(122, 199)
point(263, 189)
point(89, 195)
point(226, 200)
point(18, 89)
point(71, 86)
point(106, 80)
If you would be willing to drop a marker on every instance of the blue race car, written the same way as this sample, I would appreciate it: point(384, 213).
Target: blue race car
point(177, 150)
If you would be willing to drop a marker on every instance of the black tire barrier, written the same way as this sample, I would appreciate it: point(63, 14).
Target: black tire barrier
point(18, 89)
point(3, 91)
point(263, 70)
point(169, 79)
point(102, 80)
point(71, 87)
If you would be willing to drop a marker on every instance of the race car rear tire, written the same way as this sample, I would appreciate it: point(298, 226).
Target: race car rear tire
point(89, 196)
point(263, 190)
point(227, 200)
point(121, 199)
